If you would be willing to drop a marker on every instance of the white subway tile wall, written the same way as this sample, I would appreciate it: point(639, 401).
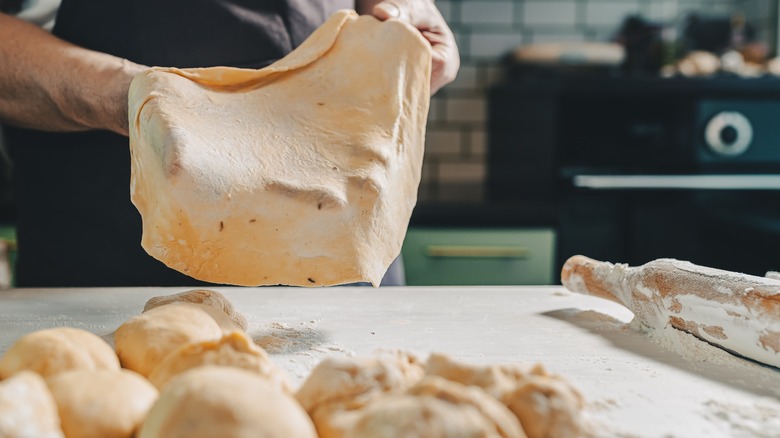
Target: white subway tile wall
point(493, 13)
point(607, 13)
point(558, 13)
point(762, 14)
point(486, 30)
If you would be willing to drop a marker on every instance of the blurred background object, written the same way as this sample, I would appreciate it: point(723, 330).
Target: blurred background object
point(644, 45)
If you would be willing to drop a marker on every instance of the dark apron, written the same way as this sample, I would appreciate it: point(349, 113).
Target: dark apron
point(76, 224)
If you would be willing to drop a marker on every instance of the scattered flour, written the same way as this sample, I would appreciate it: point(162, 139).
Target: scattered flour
point(694, 349)
point(596, 427)
point(757, 416)
point(296, 347)
point(760, 419)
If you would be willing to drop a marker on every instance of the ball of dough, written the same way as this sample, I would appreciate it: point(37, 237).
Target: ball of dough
point(546, 404)
point(698, 63)
point(144, 340)
point(207, 297)
point(215, 401)
point(105, 404)
point(358, 378)
point(27, 408)
point(503, 422)
point(420, 417)
point(496, 379)
point(338, 387)
point(51, 351)
point(547, 407)
point(234, 349)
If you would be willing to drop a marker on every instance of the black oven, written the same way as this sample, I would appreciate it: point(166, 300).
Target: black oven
point(647, 168)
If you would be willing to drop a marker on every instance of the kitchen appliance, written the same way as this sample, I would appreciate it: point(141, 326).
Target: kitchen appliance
point(641, 168)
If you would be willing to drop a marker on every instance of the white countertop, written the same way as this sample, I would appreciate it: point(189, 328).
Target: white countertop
point(636, 384)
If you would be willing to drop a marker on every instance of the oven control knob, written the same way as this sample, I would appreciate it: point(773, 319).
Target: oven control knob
point(728, 134)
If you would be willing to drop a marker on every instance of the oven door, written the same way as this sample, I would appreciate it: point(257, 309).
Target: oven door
point(724, 221)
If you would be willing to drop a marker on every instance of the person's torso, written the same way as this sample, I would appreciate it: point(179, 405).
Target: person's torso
point(76, 224)
point(193, 33)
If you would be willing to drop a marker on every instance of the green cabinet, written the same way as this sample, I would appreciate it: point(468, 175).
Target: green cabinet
point(437, 256)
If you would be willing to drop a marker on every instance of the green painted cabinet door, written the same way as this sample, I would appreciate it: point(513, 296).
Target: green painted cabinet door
point(434, 256)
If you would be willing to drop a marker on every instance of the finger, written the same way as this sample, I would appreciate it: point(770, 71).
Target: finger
point(444, 67)
point(386, 10)
point(423, 15)
point(420, 14)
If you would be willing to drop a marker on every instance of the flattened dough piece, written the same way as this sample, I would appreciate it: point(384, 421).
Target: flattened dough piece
point(353, 378)
point(51, 351)
point(302, 173)
point(27, 408)
point(213, 401)
point(546, 405)
point(338, 388)
point(504, 423)
point(436, 407)
point(206, 297)
point(105, 404)
point(234, 349)
point(420, 417)
point(143, 341)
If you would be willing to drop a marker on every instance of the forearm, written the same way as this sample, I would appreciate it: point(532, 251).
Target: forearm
point(49, 84)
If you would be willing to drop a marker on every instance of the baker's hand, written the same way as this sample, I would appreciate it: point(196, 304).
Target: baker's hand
point(424, 15)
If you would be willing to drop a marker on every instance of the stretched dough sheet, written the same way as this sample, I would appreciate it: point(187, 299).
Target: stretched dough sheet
point(302, 173)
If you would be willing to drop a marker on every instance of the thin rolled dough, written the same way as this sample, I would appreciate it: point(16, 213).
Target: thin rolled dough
point(302, 173)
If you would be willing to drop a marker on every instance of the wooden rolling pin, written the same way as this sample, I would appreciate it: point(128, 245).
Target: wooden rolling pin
point(737, 312)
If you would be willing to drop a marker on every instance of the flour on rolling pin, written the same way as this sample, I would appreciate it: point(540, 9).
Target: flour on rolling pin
point(738, 312)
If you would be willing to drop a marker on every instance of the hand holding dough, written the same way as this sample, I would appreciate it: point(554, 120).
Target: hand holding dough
point(303, 173)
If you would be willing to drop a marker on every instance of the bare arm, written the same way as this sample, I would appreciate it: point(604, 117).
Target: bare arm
point(423, 15)
point(52, 85)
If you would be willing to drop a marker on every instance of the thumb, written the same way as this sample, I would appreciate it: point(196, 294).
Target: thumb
point(390, 9)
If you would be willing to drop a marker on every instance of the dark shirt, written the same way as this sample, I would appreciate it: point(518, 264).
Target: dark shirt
point(76, 224)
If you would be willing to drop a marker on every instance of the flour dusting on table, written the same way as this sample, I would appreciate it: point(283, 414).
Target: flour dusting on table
point(298, 347)
point(760, 419)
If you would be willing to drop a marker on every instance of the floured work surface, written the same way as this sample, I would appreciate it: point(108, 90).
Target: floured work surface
point(657, 384)
point(302, 173)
